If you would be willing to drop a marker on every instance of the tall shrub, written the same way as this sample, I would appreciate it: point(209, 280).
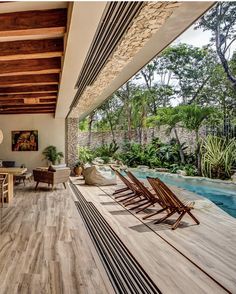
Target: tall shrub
point(218, 157)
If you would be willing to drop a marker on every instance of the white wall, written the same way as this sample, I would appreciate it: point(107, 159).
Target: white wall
point(51, 131)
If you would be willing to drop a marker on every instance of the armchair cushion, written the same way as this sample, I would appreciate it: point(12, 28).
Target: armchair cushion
point(56, 167)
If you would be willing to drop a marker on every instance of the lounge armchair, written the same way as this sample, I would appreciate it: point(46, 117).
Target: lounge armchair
point(60, 175)
point(149, 199)
point(170, 202)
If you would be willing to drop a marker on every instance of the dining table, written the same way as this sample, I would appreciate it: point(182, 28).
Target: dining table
point(12, 171)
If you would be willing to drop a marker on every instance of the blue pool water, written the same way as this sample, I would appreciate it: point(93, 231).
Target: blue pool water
point(223, 195)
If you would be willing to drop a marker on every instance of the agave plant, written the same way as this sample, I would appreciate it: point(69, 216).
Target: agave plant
point(218, 157)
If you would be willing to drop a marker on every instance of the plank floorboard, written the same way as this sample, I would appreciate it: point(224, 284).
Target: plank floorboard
point(211, 245)
point(45, 248)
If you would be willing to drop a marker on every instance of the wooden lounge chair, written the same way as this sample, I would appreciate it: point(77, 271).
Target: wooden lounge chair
point(134, 192)
point(149, 197)
point(121, 190)
point(171, 203)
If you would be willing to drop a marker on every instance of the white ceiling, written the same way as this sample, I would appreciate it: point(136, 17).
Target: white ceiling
point(85, 18)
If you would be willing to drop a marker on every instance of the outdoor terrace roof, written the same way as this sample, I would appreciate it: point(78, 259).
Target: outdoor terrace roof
point(66, 58)
point(140, 34)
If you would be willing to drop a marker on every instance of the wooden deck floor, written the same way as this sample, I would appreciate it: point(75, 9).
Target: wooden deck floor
point(192, 259)
point(45, 248)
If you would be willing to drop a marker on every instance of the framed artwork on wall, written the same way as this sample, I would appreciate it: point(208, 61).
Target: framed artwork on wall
point(25, 140)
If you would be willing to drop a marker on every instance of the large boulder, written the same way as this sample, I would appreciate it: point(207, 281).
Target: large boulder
point(181, 172)
point(99, 176)
point(233, 178)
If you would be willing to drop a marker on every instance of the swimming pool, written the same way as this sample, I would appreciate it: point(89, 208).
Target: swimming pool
point(223, 195)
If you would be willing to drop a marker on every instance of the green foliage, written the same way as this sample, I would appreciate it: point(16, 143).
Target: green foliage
point(155, 154)
point(175, 167)
point(83, 125)
point(193, 116)
point(191, 68)
point(168, 153)
point(221, 21)
point(196, 80)
point(85, 155)
point(133, 154)
point(106, 150)
point(106, 159)
point(190, 170)
point(51, 154)
point(218, 157)
point(169, 116)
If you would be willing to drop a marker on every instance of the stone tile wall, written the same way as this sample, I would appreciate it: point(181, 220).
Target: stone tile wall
point(98, 138)
point(72, 140)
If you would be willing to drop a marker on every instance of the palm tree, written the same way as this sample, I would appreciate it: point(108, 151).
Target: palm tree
point(192, 117)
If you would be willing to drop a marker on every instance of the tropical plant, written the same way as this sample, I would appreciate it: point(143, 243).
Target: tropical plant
point(85, 155)
point(168, 154)
point(133, 154)
point(218, 157)
point(106, 159)
point(190, 170)
point(150, 157)
point(154, 154)
point(51, 154)
point(192, 117)
point(106, 150)
point(175, 167)
point(170, 117)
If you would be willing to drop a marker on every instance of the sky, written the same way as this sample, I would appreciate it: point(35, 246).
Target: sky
point(198, 38)
point(193, 37)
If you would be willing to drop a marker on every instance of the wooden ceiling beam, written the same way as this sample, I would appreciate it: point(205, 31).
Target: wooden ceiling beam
point(30, 49)
point(28, 89)
point(17, 102)
point(23, 108)
point(25, 96)
point(38, 35)
point(27, 112)
point(33, 22)
point(14, 67)
point(29, 80)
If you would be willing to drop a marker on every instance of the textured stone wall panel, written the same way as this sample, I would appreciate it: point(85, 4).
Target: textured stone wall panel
point(150, 19)
point(99, 138)
point(71, 141)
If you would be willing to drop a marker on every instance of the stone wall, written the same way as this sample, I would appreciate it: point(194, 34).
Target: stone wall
point(99, 138)
point(71, 142)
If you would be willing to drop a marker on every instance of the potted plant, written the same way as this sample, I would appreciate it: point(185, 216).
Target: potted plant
point(78, 168)
point(85, 155)
point(52, 155)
